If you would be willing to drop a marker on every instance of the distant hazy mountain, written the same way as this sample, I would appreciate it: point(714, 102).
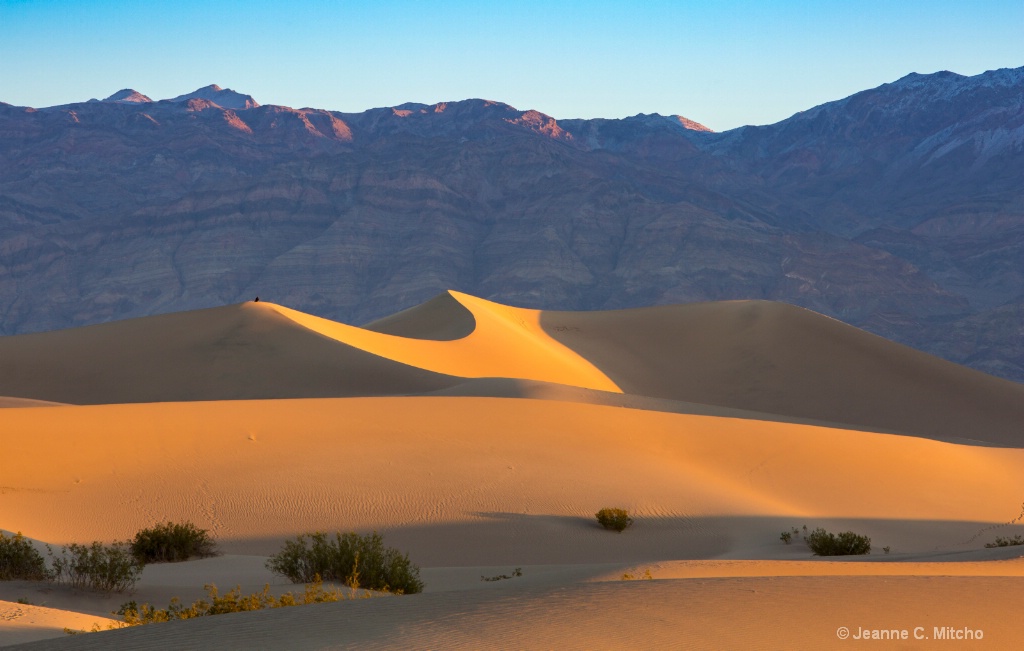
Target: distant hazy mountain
point(899, 209)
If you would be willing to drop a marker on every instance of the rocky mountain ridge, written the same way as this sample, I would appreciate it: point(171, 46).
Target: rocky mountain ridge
point(898, 209)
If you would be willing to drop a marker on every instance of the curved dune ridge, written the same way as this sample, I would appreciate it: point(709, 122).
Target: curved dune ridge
point(479, 437)
point(505, 342)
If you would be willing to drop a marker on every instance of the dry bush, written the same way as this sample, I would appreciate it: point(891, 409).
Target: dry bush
point(614, 519)
point(231, 602)
point(108, 568)
point(1005, 542)
point(348, 558)
point(847, 543)
point(172, 542)
point(19, 560)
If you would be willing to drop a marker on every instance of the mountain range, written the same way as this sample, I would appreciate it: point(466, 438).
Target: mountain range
point(899, 210)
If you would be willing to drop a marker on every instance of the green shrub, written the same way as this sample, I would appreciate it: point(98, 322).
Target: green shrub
point(615, 519)
point(172, 542)
point(357, 561)
point(847, 543)
point(20, 560)
point(232, 602)
point(1006, 542)
point(110, 568)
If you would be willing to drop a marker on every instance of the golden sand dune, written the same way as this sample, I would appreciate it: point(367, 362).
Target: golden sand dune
point(752, 356)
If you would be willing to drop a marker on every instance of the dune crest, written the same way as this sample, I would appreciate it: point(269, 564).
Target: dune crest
point(506, 342)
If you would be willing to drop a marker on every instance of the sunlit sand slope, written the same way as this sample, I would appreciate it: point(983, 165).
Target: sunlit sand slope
point(476, 481)
point(505, 342)
point(20, 623)
point(773, 357)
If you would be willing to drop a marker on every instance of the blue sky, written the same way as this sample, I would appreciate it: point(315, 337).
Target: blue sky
point(723, 63)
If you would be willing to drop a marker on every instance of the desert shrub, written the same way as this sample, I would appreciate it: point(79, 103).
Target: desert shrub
point(615, 519)
point(20, 560)
point(646, 576)
point(1006, 542)
point(847, 543)
point(172, 542)
point(501, 577)
point(109, 568)
point(357, 561)
point(232, 602)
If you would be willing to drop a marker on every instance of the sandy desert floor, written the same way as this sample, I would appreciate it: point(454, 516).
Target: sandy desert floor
point(481, 438)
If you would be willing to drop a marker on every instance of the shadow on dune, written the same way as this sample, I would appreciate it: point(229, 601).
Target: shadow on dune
point(442, 318)
point(516, 539)
point(776, 358)
point(514, 388)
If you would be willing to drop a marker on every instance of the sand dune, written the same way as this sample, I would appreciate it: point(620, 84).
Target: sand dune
point(479, 437)
point(228, 353)
point(751, 356)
